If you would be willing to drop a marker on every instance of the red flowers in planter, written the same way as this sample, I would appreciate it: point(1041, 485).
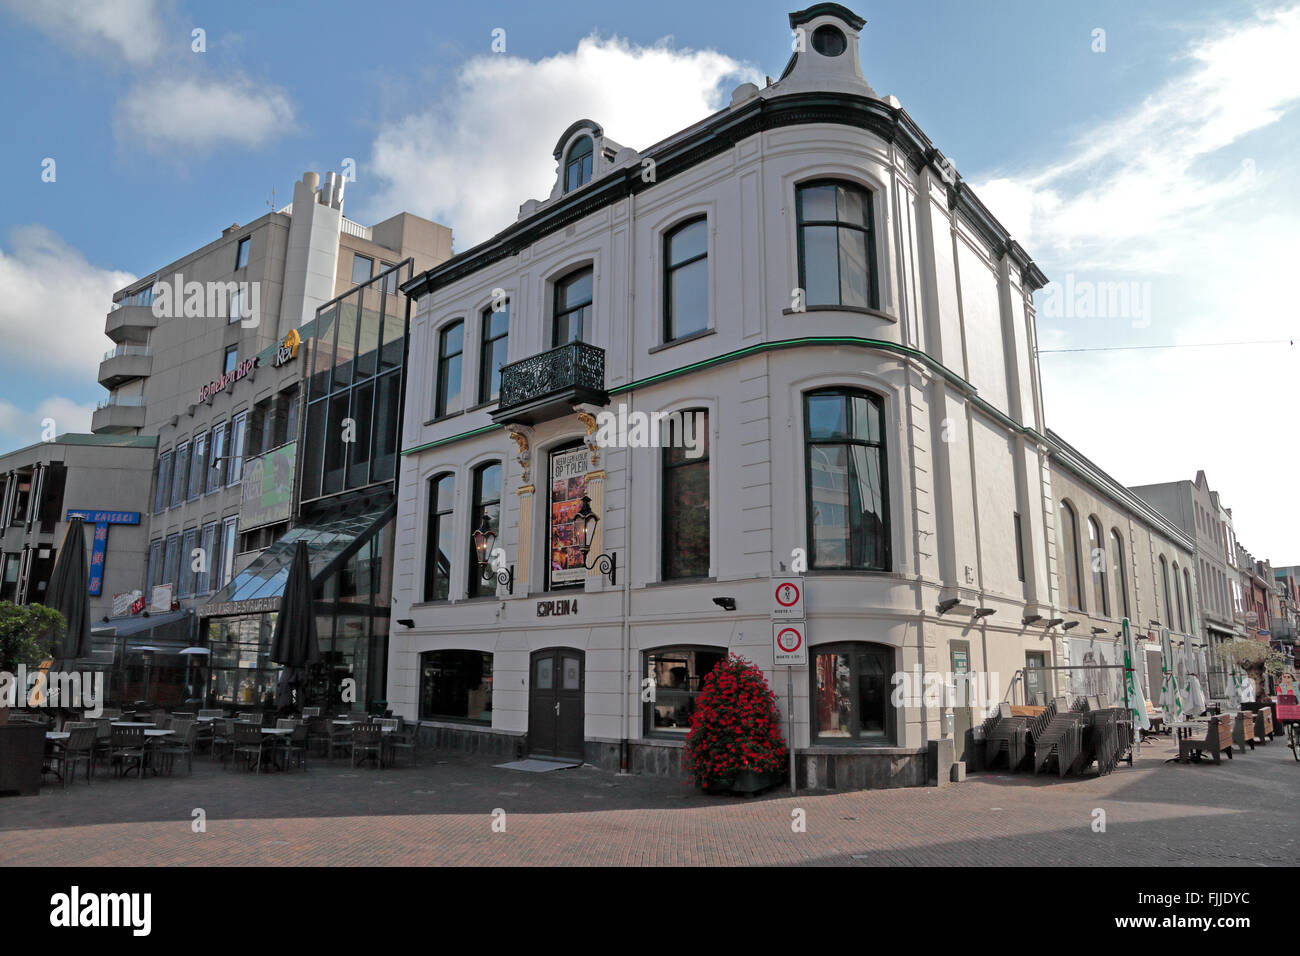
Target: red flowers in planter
point(735, 726)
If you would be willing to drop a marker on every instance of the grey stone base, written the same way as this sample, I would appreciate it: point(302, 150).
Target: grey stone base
point(660, 758)
point(826, 768)
point(473, 740)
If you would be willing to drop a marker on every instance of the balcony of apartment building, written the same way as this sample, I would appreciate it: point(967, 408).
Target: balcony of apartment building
point(548, 384)
point(131, 319)
point(124, 363)
point(118, 414)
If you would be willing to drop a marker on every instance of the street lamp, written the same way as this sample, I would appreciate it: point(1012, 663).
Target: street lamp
point(608, 563)
point(485, 540)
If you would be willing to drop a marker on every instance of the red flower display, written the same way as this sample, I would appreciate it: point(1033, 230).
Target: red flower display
point(735, 726)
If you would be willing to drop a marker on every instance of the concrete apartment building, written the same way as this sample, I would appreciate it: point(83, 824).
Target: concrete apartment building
point(884, 422)
point(1118, 557)
point(1196, 509)
point(104, 478)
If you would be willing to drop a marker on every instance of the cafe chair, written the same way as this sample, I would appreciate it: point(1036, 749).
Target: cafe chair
point(367, 742)
point(79, 748)
point(179, 744)
point(126, 749)
point(249, 743)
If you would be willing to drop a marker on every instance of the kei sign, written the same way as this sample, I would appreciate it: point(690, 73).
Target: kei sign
point(787, 599)
point(789, 646)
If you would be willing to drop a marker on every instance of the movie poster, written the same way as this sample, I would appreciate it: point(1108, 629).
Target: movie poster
point(568, 484)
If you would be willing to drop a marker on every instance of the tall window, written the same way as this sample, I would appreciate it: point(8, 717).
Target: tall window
point(848, 520)
point(1019, 533)
point(486, 500)
point(686, 496)
point(198, 465)
point(172, 562)
point(572, 313)
point(676, 674)
point(231, 360)
point(229, 527)
point(1178, 599)
point(492, 353)
point(162, 482)
point(1169, 598)
point(208, 542)
point(451, 343)
point(439, 543)
point(180, 473)
point(851, 691)
point(1121, 578)
point(686, 279)
point(456, 685)
point(217, 456)
point(1070, 547)
point(190, 541)
point(837, 246)
point(1191, 617)
point(241, 252)
point(1097, 561)
point(235, 451)
point(577, 165)
point(154, 574)
point(361, 267)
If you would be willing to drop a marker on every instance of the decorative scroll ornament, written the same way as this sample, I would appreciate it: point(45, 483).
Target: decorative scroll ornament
point(521, 434)
point(589, 422)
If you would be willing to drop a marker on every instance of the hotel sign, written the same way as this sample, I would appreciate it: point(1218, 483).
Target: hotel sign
point(230, 378)
point(288, 349)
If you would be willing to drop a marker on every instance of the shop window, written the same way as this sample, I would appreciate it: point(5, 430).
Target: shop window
point(851, 694)
point(685, 504)
point(677, 675)
point(486, 501)
point(848, 520)
point(456, 685)
point(837, 246)
point(439, 538)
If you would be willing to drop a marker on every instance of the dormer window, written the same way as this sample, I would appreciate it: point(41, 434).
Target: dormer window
point(577, 166)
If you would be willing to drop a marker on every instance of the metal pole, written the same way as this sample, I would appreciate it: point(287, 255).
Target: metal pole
point(789, 695)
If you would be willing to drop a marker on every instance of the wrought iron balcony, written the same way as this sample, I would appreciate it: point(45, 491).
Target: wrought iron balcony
point(546, 385)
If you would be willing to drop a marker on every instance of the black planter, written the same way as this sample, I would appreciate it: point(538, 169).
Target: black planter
point(750, 782)
point(22, 751)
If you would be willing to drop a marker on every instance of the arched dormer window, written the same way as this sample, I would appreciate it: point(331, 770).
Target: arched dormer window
point(578, 164)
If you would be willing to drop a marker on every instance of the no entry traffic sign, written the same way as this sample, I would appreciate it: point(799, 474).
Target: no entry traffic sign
point(787, 598)
point(789, 646)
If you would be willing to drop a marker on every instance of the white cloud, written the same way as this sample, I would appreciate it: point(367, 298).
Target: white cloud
point(22, 427)
point(53, 304)
point(166, 113)
point(485, 147)
point(1165, 194)
point(132, 29)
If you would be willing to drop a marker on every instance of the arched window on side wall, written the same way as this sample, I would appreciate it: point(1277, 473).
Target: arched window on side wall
point(1191, 615)
point(1070, 547)
point(439, 541)
point(1097, 561)
point(1121, 578)
point(1169, 598)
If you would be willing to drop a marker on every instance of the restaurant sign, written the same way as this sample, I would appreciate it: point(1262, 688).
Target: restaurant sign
point(240, 370)
point(288, 349)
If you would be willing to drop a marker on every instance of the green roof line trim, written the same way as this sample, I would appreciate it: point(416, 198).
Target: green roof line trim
point(902, 351)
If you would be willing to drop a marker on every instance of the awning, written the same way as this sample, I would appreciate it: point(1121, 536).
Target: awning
point(330, 540)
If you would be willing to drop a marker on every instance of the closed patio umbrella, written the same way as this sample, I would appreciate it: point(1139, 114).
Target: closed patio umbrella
point(67, 591)
point(294, 642)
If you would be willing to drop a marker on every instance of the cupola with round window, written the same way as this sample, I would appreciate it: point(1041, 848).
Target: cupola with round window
point(825, 56)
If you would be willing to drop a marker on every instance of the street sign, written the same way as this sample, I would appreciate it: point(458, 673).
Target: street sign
point(789, 645)
point(787, 599)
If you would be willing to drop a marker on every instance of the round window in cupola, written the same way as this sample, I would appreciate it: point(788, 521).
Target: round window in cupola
point(829, 40)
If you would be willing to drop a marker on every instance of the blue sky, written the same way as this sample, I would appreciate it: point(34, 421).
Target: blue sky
point(1167, 161)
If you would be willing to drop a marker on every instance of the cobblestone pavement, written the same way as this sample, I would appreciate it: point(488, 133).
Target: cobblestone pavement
point(442, 812)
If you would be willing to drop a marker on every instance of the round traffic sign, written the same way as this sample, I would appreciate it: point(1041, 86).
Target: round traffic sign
point(787, 594)
point(789, 639)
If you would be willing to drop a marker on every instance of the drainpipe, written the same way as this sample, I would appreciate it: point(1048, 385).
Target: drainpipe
point(629, 683)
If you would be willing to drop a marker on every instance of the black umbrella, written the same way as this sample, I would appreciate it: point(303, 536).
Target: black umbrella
point(294, 642)
point(66, 592)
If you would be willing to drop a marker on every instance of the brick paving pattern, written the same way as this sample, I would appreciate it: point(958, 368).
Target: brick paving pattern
point(441, 813)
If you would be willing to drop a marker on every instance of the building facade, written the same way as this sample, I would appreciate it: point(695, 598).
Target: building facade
point(1117, 558)
point(804, 278)
point(1196, 509)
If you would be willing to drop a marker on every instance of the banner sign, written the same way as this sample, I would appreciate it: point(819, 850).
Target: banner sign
point(267, 494)
point(568, 483)
point(99, 546)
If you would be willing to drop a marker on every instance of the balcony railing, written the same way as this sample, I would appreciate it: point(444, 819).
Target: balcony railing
point(126, 401)
point(543, 385)
point(127, 350)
